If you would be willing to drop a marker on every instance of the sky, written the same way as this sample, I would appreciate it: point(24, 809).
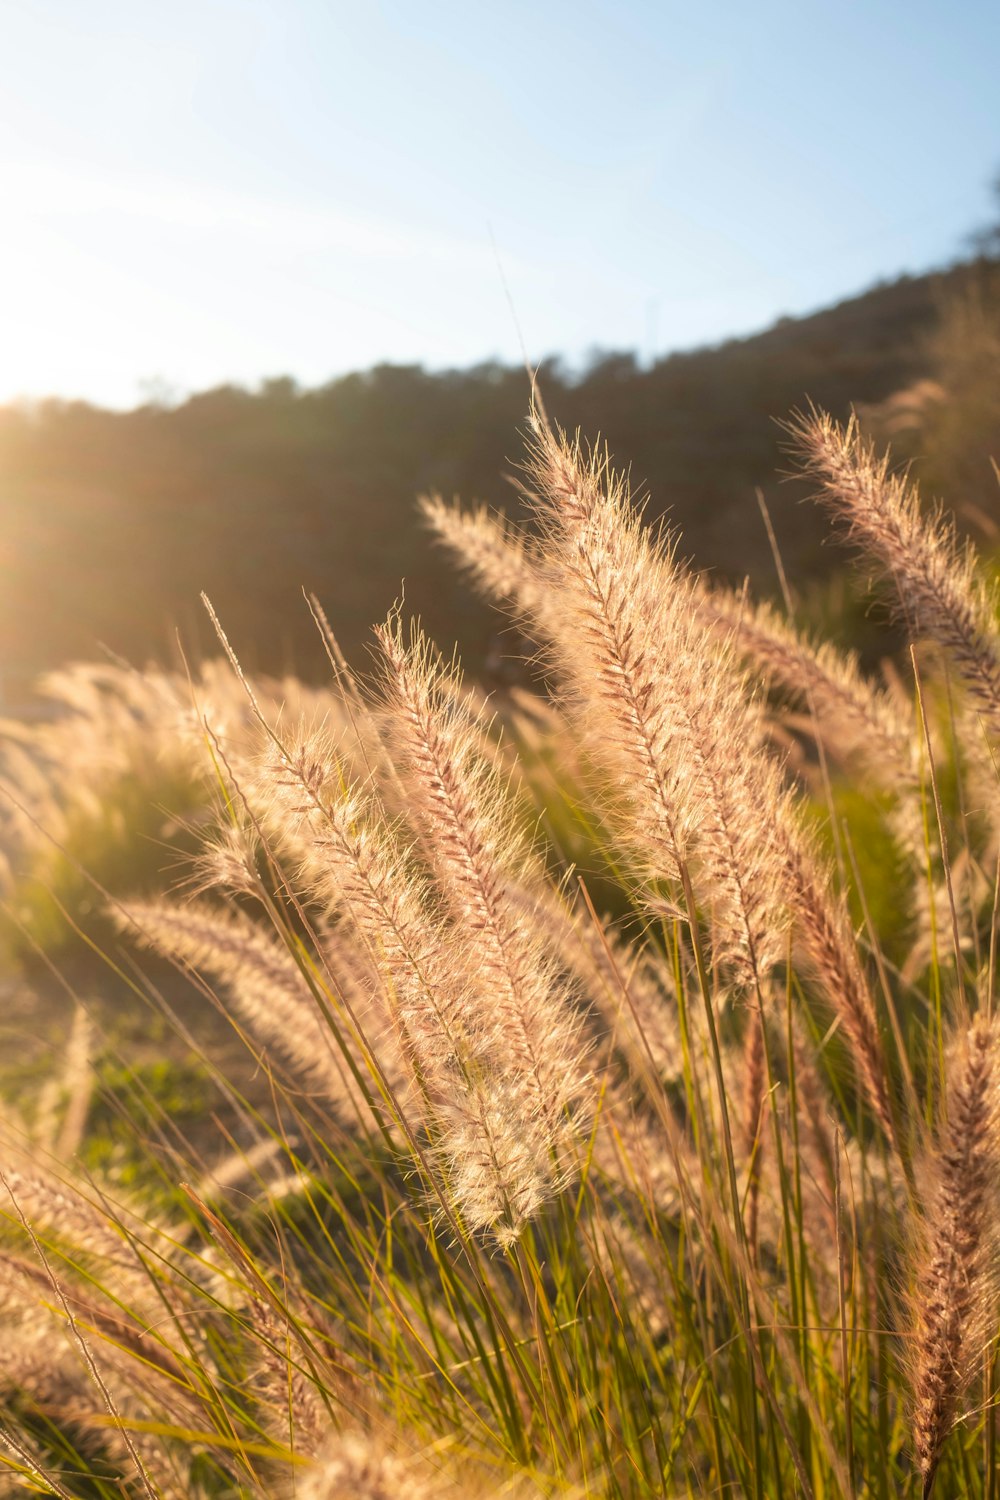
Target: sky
point(201, 191)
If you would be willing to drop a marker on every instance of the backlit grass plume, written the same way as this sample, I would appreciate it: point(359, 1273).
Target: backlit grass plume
point(956, 1291)
point(939, 588)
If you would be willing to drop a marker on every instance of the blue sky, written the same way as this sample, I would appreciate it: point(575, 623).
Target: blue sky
point(196, 191)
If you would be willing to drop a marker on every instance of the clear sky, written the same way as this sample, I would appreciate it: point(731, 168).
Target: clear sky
point(194, 191)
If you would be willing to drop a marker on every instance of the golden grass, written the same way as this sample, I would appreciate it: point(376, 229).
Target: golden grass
point(695, 1196)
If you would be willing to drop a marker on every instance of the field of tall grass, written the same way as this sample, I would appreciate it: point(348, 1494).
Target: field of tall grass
point(621, 1114)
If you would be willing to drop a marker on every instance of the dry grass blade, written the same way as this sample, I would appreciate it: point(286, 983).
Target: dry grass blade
point(955, 1296)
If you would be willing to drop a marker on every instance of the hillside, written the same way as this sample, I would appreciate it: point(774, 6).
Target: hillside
point(112, 523)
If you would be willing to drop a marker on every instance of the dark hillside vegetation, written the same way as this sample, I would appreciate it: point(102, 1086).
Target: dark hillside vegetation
point(114, 522)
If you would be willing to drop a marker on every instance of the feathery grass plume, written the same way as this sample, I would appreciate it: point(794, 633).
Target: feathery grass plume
point(939, 588)
point(352, 860)
point(666, 827)
point(502, 566)
point(269, 990)
point(941, 594)
point(497, 556)
point(228, 861)
point(664, 703)
point(477, 850)
point(954, 1299)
